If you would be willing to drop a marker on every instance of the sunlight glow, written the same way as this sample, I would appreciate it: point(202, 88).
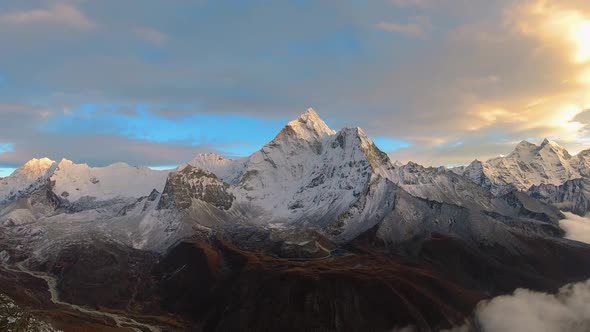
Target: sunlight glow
point(552, 22)
point(581, 37)
point(563, 118)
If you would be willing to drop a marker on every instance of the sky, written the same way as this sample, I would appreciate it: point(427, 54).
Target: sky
point(439, 82)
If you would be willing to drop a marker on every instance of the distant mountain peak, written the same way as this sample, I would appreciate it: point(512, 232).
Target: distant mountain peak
point(527, 165)
point(40, 164)
point(24, 176)
point(527, 148)
point(546, 143)
point(43, 160)
point(36, 167)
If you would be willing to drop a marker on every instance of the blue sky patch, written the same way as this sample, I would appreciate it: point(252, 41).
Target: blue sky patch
point(231, 135)
point(386, 144)
point(6, 171)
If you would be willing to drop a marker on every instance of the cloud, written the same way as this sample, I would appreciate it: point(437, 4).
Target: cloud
point(151, 35)
point(416, 27)
point(485, 116)
point(91, 149)
point(485, 76)
point(529, 311)
point(60, 13)
point(412, 3)
point(576, 228)
point(528, 102)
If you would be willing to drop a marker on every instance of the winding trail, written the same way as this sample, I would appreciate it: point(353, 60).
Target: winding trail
point(121, 321)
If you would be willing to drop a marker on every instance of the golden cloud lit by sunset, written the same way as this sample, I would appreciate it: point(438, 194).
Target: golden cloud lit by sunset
point(554, 26)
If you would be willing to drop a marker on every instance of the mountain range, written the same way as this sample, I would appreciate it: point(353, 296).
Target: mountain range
point(318, 230)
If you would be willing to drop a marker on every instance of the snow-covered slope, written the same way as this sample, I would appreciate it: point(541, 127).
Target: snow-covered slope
point(228, 170)
point(308, 177)
point(441, 185)
point(581, 162)
point(526, 166)
point(309, 172)
point(74, 181)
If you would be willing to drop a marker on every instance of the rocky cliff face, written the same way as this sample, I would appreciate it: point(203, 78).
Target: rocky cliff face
point(572, 196)
point(194, 184)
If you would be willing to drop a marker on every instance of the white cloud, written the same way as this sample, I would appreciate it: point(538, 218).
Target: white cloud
point(63, 14)
point(576, 228)
point(528, 311)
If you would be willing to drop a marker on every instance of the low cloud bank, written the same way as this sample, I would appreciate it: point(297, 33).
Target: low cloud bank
point(528, 311)
point(576, 228)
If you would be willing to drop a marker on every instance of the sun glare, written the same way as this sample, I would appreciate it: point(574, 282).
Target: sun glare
point(581, 36)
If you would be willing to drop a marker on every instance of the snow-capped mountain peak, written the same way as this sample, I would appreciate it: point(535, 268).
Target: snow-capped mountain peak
point(24, 176)
point(527, 165)
point(307, 172)
point(309, 126)
point(38, 166)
